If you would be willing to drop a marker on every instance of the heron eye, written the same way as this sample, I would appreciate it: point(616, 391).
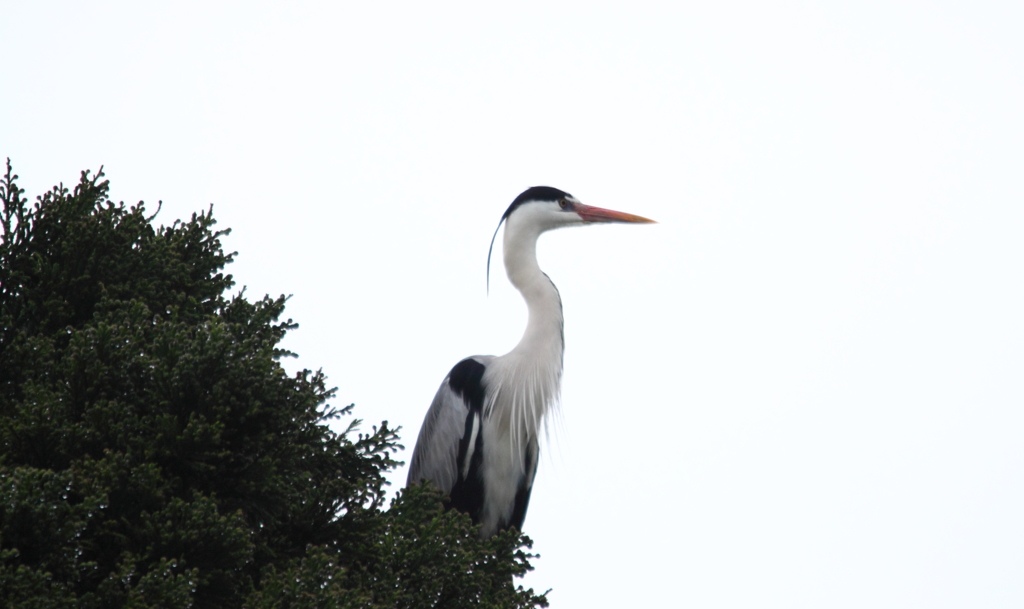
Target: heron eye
point(563, 203)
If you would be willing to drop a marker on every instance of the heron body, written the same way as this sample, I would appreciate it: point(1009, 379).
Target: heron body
point(479, 441)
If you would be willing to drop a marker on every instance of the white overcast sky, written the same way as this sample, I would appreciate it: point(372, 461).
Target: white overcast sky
point(803, 388)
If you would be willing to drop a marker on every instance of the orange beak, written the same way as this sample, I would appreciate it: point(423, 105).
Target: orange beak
point(598, 214)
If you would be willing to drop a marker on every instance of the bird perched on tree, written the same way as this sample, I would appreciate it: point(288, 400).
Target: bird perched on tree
point(479, 440)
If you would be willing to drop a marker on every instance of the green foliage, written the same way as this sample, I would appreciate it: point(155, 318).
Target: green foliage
point(154, 453)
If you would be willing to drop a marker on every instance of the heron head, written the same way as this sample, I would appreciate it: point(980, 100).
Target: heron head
point(543, 208)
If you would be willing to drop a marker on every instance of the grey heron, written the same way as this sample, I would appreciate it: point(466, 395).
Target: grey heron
point(479, 440)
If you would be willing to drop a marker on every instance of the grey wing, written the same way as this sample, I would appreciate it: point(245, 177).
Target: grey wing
point(436, 455)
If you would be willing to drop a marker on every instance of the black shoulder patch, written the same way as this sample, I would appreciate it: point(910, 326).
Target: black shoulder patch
point(535, 193)
point(467, 380)
point(467, 495)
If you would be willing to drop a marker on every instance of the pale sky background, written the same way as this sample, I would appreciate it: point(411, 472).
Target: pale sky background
point(803, 388)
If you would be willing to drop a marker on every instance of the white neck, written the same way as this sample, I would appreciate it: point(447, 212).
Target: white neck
point(542, 341)
point(526, 381)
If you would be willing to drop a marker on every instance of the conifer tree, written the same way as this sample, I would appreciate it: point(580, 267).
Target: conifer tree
point(154, 453)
